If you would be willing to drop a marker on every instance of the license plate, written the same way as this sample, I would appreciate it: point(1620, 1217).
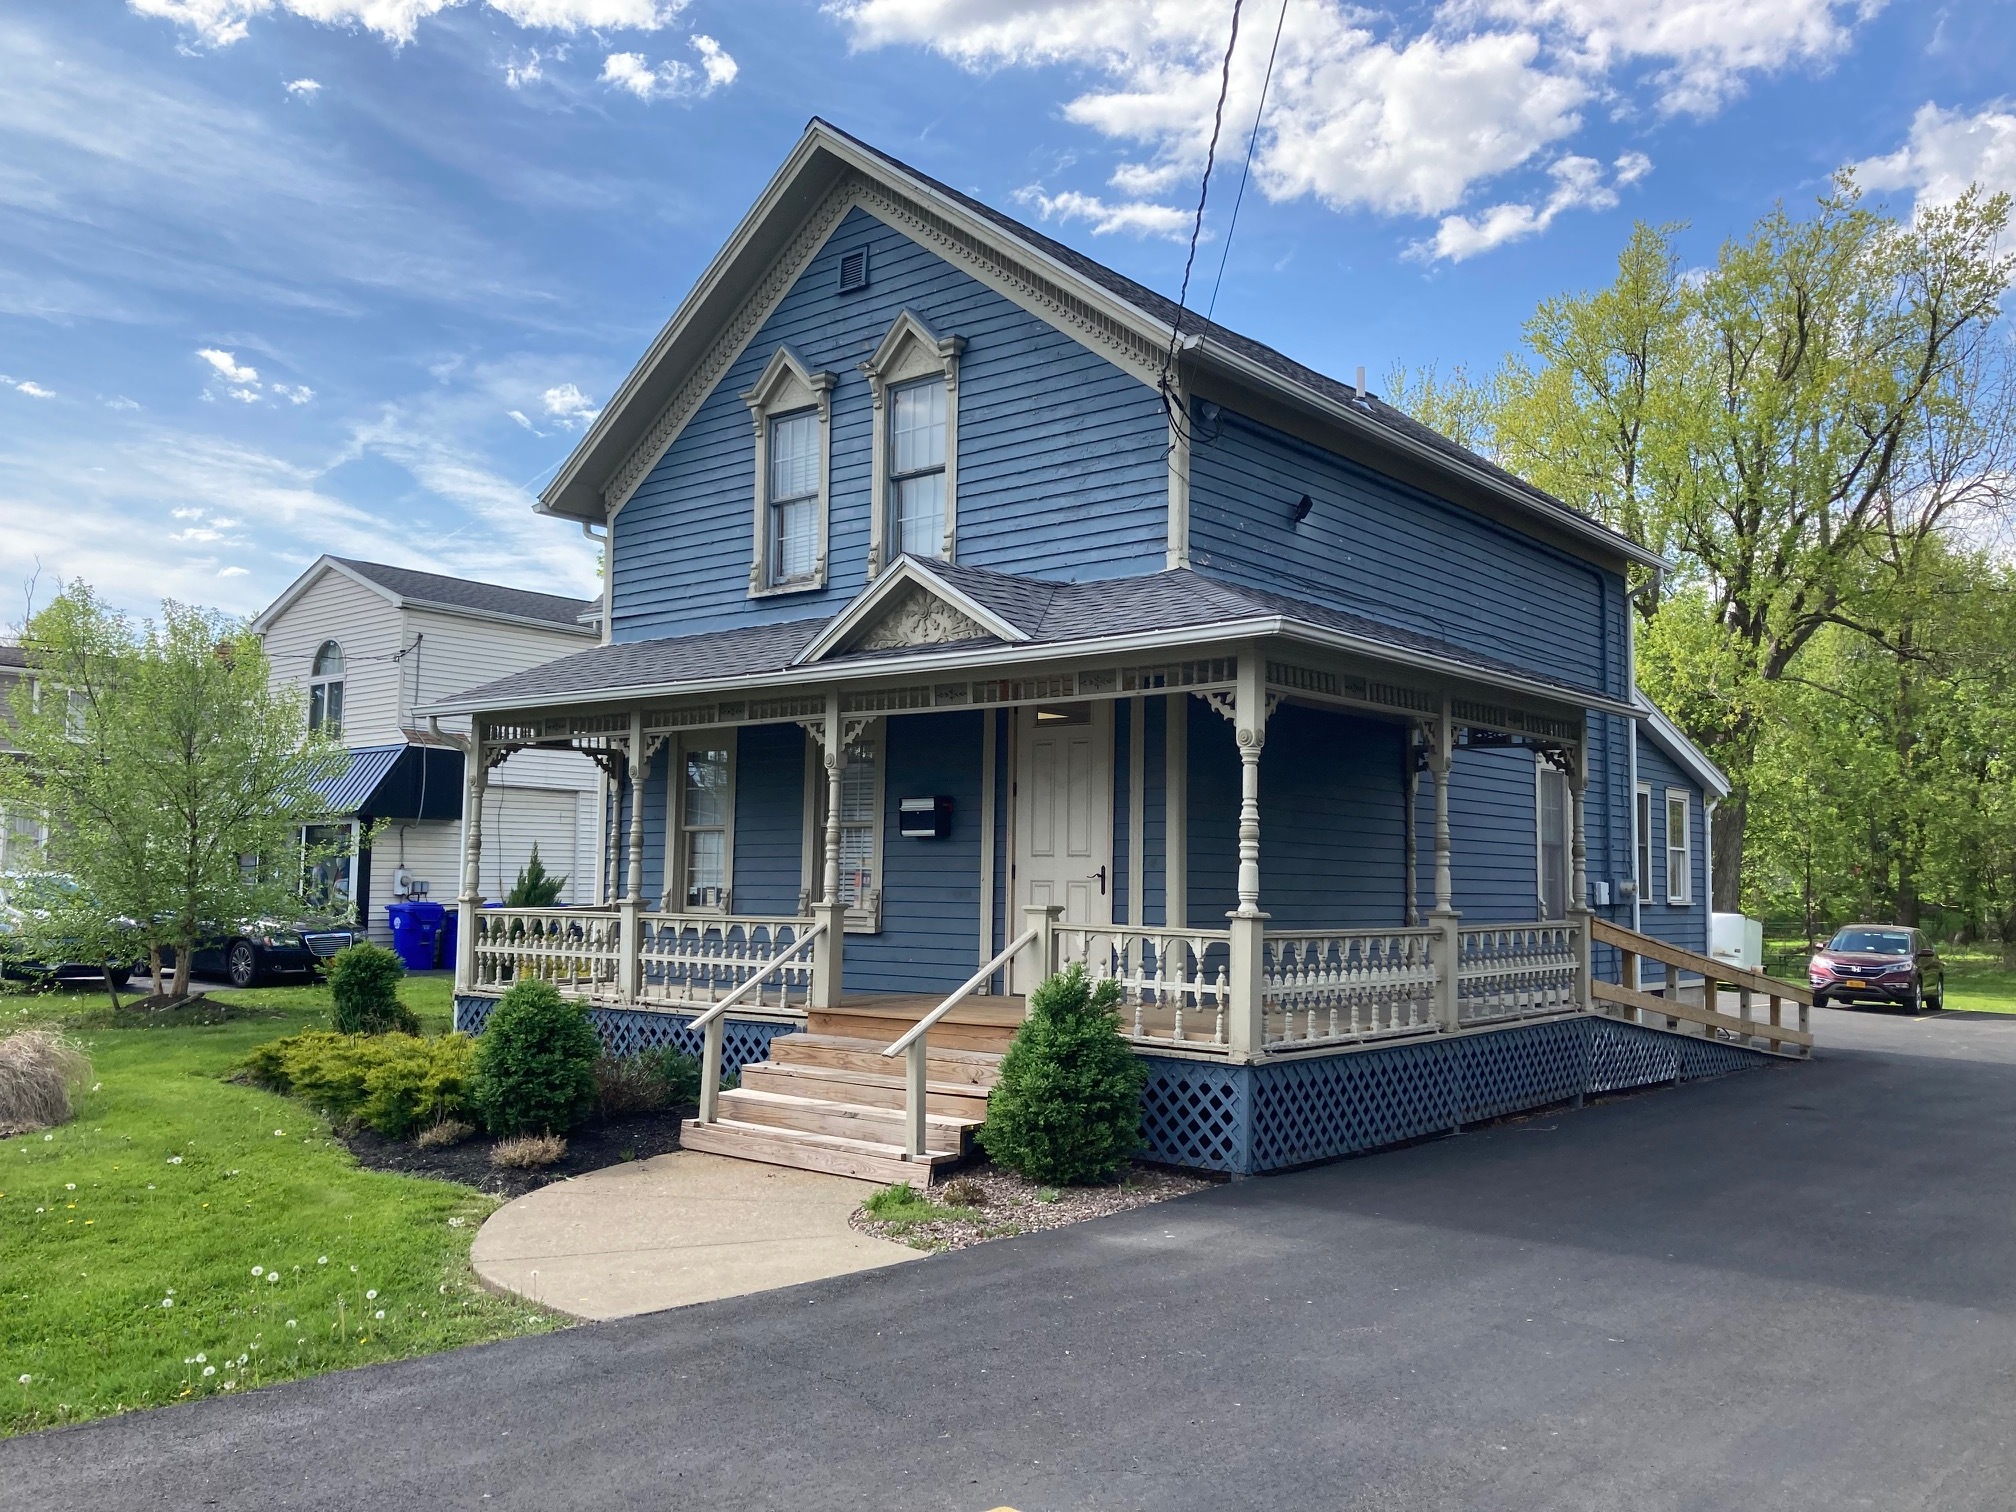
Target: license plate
point(1854, 982)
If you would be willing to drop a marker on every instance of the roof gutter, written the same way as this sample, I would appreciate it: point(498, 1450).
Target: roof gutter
point(880, 670)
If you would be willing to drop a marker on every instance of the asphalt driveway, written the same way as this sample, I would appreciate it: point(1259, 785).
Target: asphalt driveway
point(1793, 1289)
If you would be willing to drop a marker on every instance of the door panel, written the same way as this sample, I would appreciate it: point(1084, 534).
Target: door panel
point(1064, 815)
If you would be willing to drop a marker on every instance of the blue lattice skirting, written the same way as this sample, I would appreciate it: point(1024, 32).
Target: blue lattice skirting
point(631, 1031)
point(1277, 1114)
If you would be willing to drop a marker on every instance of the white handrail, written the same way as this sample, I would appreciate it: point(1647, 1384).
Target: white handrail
point(922, 1025)
point(756, 981)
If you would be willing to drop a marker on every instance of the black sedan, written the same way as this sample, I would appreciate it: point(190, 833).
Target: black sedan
point(1878, 963)
point(263, 951)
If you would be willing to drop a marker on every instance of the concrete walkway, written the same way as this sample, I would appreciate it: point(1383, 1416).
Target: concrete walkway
point(673, 1230)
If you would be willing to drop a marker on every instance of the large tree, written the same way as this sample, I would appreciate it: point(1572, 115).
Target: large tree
point(175, 780)
point(1788, 425)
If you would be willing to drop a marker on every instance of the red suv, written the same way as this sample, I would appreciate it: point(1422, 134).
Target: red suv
point(1878, 963)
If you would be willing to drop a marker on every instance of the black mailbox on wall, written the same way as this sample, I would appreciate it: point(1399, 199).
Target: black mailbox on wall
point(925, 818)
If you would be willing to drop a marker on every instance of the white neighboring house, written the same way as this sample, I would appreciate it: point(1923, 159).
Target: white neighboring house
point(370, 644)
point(21, 835)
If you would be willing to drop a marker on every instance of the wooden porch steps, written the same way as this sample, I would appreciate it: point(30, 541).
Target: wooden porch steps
point(829, 1100)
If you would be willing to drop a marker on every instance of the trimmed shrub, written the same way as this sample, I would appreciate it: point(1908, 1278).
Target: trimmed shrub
point(535, 1064)
point(648, 1083)
point(364, 985)
point(528, 1152)
point(1067, 1109)
point(40, 1073)
point(393, 1083)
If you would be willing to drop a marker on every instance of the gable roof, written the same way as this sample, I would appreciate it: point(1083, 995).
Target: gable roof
point(1120, 615)
point(1689, 757)
point(822, 160)
point(407, 589)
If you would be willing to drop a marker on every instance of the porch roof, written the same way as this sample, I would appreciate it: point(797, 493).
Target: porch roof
point(1159, 610)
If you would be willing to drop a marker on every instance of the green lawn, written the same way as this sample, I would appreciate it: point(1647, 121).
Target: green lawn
point(183, 1236)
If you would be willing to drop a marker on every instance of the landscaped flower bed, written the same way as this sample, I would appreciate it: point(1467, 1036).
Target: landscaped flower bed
point(989, 1203)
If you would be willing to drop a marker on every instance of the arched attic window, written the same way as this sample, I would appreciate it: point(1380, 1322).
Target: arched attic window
point(325, 689)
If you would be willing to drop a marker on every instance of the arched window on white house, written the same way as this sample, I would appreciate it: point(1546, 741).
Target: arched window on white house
point(325, 690)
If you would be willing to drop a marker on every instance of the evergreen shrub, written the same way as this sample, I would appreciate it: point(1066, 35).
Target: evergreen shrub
point(394, 1083)
point(364, 987)
point(535, 1063)
point(1067, 1109)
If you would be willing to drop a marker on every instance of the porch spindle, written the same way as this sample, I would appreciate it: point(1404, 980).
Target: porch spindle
point(471, 897)
point(831, 909)
point(1248, 924)
point(1444, 918)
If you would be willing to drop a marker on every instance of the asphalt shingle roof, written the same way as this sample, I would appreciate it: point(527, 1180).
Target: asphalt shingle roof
point(462, 593)
point(1049, 613)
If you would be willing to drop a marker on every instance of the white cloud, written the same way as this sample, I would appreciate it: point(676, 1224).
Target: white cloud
point(671, 79)
point(519, 416)
point(306, 88)
point(715, 62)
point(33, 389)
point(222, 22)
point(227, 365)
point(298, 393)
point(245, 395)
point(231, 572)
point(1579, 184)
point(1140, 217)
point(567, 404)
point(121, 402)
point(1376, 109)
point(1948, 150)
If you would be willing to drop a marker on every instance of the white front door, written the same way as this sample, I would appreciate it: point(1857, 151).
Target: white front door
point(1064, 812)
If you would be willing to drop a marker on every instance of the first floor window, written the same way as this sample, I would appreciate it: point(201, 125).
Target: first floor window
point(329, 855)
point(1644, 873)
point(793, 492)
point(917, 467)
point(1677, 848)
point(1553, 843)
point(705, 801)
point(20, 842)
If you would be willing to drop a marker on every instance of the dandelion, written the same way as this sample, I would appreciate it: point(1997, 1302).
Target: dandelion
point(26, 1379)
point(457, 1222)
point(150, 1186)
point(279, 1133)
point(292, 1324)
point(226, 1385)
point(174, 1160)
point(46, 1138)
point(200, 1357)
point(258, 1270)
point(379, 1314)
point(167, 1301)
point(209, 1371)
point(272, 1277)
point(322, 1260)
point(97, 1086)
point(170, 1291)
point(353, 1270)
point(371, 1295)
point(69, 1186)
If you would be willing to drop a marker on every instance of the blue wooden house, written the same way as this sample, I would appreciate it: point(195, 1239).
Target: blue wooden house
point(969, 614)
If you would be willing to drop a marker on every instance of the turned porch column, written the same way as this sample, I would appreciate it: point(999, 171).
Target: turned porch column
point(1579, 913)
point(471, 896)
point(630, 921)
point(828, 951)
point(1245, 1022)
point(1443, 917)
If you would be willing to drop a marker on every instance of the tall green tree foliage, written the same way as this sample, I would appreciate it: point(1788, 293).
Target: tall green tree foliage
point(174, 779)
point(1790, 425)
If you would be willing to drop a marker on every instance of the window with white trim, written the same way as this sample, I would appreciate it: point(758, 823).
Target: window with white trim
point(914, 376)
point(1679, 874)
point(861, 790)
point(792, 412)
point(325, 689)
point(1552, 813)
point(1644, 873)
point(703, 829)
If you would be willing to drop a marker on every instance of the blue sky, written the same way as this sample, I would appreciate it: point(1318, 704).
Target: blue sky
point(280, 277)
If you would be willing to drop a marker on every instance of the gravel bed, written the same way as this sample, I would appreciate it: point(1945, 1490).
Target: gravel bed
point(1009, 1205)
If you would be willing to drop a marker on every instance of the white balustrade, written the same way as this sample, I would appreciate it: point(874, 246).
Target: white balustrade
point(578, 950)
point(1175, 983)
point(1511, 971)
point(691, 960)
point(1340, 985)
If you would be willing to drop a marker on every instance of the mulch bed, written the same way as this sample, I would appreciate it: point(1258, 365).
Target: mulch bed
point(597, 1143)
point(1009, 1205)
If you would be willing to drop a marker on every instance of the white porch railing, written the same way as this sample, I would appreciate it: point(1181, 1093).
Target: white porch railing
point(1176, 983)
point(578, 950)
point(1512, 971)
point(694, 960)
point(1342, 985)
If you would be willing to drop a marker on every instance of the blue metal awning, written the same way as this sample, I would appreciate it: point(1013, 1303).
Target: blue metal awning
point(350, 790)
point(406, 781)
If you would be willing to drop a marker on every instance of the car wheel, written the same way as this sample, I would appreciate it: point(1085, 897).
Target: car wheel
point(1819, 1000)
point(1915, 1004)
point(119, 976)
point(243, 965)
point(1937, 1002)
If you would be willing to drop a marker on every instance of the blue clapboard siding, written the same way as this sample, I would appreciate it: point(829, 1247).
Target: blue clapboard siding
point(1390, 552)
point(1155, 810)
point(930, 939)
point(1494, 854)
point(1332, 820)
point(769, 818)
point(657, 790)
point(1685, 925)
point(1062, 469)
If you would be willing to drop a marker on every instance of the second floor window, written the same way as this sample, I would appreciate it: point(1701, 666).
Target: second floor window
point(793, 490)
point(325, 690)
point(1678, 848)
point(917, 468)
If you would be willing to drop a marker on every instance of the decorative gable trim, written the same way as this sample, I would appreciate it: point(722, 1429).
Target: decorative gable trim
point(910, 606)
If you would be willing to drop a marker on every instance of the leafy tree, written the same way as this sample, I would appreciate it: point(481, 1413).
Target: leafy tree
point(175, 780)
point(535, 887)
point(1791, 425)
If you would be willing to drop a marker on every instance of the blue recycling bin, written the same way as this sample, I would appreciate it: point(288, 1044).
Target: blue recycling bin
point(416, 928)
point(444, 947)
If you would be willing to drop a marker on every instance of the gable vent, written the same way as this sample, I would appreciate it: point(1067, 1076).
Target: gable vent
point(853, 270)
